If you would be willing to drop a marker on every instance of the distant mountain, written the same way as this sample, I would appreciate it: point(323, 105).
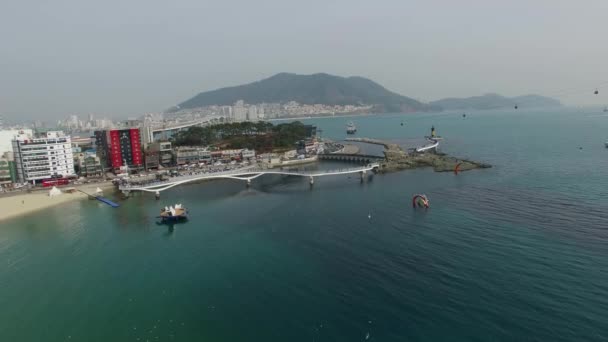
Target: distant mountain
point(310, 89)
point(495, 101)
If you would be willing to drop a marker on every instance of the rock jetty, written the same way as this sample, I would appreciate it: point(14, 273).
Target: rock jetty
point(397, 159)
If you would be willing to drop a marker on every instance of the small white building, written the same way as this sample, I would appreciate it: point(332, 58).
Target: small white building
point(247, 154)
point(43, 157)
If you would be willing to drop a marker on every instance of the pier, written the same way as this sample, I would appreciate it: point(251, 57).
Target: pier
point(101, 199)
point(245, 175)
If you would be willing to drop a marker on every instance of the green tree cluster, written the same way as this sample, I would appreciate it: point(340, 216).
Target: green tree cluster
point(252, 135)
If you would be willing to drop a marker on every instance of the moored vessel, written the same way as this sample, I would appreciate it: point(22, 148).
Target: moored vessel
point(173, 213)
point(351, 128)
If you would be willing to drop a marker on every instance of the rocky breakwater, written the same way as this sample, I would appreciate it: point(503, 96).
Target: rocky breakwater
point(397, 159)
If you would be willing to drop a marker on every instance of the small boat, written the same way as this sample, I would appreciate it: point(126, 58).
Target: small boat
point(175, 213)
point(351, 128)
point(605, 109)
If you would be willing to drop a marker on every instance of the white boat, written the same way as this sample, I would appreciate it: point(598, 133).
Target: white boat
point(351, 128)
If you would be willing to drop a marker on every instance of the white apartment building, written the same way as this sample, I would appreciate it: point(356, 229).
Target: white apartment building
point(252, 113)
point(38, 158)
point(239, 111)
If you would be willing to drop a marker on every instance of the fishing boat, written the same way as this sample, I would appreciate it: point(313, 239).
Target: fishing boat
point(173, 213)
point(351, 128)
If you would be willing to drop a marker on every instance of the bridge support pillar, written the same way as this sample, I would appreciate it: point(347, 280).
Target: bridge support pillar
point(157, 195)
point(248, 183)
point(126, 193)
point(312, 181)
point(363, 173)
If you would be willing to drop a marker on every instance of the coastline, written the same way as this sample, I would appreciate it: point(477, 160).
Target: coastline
point(23, 203)
point(328, 116)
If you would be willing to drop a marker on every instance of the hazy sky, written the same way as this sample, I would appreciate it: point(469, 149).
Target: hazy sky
point(125, 58)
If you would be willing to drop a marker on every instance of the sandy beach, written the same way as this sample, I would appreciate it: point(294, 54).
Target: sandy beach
point(19, 204)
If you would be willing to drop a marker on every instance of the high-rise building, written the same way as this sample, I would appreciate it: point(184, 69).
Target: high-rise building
point(43, 157)
point(239, 111)
point(125, 148)
point(117, 147)
point(252, 113)
point(102, 147)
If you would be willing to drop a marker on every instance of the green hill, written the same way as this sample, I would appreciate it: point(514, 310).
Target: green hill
point(310, 89)
point(495, 101)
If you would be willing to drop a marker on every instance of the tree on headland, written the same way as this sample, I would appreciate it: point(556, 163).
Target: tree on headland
point(252, 135)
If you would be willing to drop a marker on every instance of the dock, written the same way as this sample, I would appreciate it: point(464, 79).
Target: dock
point(102, 199)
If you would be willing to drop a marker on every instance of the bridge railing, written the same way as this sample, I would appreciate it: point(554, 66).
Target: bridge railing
point(201, 175)
point(242, 172)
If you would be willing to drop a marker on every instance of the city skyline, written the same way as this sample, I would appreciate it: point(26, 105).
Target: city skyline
point(127, 62)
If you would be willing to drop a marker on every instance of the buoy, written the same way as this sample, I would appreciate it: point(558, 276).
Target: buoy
point(420, 201)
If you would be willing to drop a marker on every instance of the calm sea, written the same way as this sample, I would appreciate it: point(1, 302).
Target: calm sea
point(518, 252)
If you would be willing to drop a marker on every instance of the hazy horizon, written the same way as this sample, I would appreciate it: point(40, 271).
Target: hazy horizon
point(120, 59)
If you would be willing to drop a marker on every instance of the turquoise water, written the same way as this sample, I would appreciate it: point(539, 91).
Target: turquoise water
point(516, 252)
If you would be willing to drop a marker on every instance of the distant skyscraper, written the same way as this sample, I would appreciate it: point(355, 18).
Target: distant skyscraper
point(239, 111)
point(252, 113)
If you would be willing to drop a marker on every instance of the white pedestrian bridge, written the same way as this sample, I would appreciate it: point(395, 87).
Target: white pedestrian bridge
point(247, 174)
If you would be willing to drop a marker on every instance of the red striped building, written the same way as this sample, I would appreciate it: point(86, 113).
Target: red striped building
point(122, 145)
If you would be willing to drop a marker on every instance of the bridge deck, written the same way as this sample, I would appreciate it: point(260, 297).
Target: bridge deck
point(247, 175)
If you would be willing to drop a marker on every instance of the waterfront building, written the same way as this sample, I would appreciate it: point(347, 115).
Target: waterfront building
point(165, 153)
point(102, 147)
point(125, 148)
point(7, 171)
point(192, 155)
point(247, 154)
point(186, 155)
point(152, 156)
point(89, 165)
point(119, 147)
point(47, 156)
